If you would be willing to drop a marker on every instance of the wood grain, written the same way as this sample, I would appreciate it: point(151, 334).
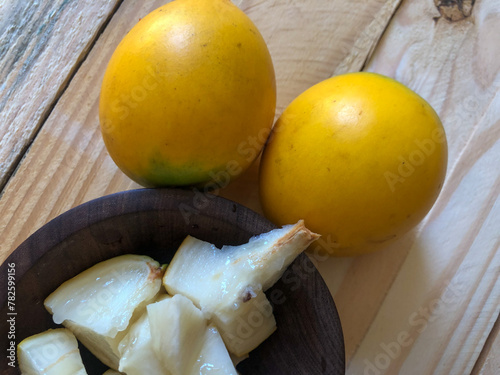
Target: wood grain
point(41, 45)
point(435, 292)
point(325, 44)
point(427, 53)
point(55, 174)
point(489, 360)
point(333, 37)
point(444, 298)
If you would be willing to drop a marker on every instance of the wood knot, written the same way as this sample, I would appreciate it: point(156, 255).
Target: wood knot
point(454, 10)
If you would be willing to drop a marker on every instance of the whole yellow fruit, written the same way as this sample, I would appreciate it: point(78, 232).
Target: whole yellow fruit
point(360, 157)
point(188, 96)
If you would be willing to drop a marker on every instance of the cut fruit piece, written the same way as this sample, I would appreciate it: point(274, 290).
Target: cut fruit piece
point(228, 283)
point(136, 349)
point(99, 303)
point(183, 341)
point(245, 325)
point(104, 348)
point(105, 296)
point(177, 327)
point(267, 256)
point(53, 352)
point(214, 358)
point(112, 372)
point(226, 296)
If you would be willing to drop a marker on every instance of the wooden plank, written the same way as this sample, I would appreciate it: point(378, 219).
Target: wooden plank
point(311, 40)
point(68, 149)
point(443, 292)
point(334, 37)
point(447, 254)
point(54, 175)
point(41, 45)
point(489, 360)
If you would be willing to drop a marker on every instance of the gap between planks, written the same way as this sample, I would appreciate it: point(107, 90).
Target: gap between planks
point(375, 29)
point(488, 348)
point(60, 92)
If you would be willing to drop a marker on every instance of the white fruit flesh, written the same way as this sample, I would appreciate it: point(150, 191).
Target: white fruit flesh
point(228, 283)
point(136, 350)
point(176, 328)
point(53, 352)
point(104, 348)
point(245, 325)
point(198, 271)
point(183, 341)
point(266, 257)
point(98, 303)
point(214, 358)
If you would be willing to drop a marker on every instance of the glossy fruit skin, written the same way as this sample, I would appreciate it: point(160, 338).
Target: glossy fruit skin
point(360, 157)
point(188, 96)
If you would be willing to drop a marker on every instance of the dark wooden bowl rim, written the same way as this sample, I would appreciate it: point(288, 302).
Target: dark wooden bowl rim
point(153, 222)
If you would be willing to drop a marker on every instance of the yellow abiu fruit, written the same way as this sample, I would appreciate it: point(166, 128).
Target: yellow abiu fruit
point(188, 97)
point(360, 157)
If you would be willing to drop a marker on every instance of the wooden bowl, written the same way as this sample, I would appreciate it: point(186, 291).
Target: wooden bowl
point(153, 222)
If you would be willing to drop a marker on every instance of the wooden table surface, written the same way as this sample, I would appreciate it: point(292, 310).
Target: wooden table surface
point(427, 304)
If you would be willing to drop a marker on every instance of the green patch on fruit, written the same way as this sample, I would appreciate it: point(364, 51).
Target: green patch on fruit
point(162, 173)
